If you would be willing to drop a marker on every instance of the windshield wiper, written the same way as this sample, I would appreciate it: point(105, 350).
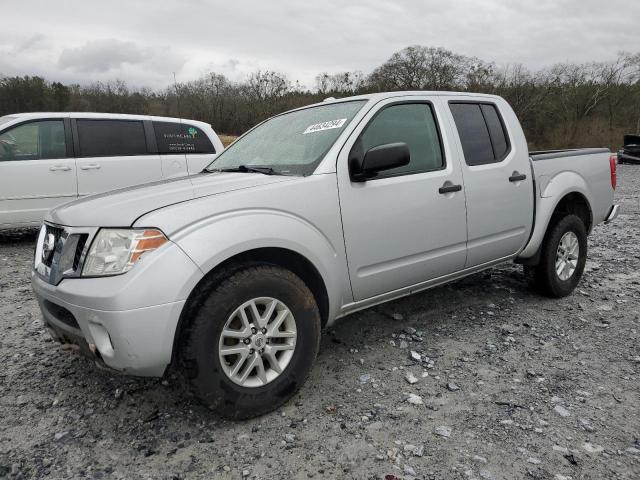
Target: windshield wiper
point(248, 168)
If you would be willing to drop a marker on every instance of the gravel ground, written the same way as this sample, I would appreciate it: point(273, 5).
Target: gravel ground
point(477, 379)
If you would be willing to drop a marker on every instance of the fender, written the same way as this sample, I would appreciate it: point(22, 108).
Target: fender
point(212, 240)
point(551, 190)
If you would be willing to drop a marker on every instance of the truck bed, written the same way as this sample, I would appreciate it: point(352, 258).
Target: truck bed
point(584, 171)
point(570, 152)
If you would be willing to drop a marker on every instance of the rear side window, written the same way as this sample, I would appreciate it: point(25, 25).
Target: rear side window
point(482, 134)
point(497, 133)
point(111, 138)
point(34, 141)
point(413, 124)
point(181, 138)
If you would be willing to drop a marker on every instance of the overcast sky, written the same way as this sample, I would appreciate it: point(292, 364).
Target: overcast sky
point(143, 41)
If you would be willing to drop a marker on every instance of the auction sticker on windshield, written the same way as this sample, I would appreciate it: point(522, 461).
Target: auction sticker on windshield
point(318, 127)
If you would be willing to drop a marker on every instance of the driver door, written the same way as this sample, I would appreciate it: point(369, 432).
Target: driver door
point(400, 228)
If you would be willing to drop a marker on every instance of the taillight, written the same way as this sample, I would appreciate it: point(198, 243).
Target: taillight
point(613, 161)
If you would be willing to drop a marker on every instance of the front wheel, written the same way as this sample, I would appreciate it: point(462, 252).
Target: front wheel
point(252, 342)
point(564, 254)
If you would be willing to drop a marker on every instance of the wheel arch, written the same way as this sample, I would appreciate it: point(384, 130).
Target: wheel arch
point(572, 202)
point(282, 257)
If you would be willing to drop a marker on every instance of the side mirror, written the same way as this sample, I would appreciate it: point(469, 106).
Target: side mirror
point(377, 159)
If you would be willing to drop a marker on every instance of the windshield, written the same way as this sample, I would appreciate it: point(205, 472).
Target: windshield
point(292, 143)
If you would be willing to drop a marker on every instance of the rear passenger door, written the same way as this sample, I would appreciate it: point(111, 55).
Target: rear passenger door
point(497, 179)
point(113, 154)
point(184, 148)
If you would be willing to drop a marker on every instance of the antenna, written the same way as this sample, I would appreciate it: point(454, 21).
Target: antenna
point(175, 86)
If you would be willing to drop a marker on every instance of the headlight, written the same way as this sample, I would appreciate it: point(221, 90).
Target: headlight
point(115, 251)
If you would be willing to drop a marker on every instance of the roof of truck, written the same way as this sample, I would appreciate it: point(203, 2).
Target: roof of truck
point(404, 93)
point(408, 93)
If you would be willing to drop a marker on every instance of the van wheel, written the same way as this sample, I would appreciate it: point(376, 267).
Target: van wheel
point(564, 254)
point(252, 342)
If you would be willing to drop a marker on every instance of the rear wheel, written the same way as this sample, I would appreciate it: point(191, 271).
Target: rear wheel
point(252, 342)
point(564, 254)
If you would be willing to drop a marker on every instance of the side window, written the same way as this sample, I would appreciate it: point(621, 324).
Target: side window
point(34, 141)
point(111, 138)
point(181, 138)
point(413, 124)
point(481, 132)
point(498, 135)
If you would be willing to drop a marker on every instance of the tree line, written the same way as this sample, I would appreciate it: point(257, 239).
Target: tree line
point(565, 105)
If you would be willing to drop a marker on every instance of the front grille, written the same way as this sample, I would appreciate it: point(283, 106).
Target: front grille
point(61, 314)
point(54, 233)
point(60, 252)
point(82, 241)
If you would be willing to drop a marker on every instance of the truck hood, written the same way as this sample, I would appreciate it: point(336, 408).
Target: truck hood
point(121, 208)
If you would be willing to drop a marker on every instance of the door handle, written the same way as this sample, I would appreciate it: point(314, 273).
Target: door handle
point(449, 189)
point(90, 166)
point(60, 168)
point(517, 177)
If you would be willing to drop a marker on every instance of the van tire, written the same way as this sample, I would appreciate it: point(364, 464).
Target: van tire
point(201, 363)
point(543, 278)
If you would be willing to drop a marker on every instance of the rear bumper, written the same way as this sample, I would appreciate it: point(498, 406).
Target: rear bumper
point(613, 213)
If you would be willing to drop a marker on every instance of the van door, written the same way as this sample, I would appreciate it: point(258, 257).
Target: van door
point(37, 170)
point(407, 225)
point(203, 152)
point(168, 136)
point(184, 148)
point(497, 177)
point(113, 154)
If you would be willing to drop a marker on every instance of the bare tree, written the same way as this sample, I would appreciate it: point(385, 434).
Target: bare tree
point(340, 83)
point(422, 68)
point(566, 105)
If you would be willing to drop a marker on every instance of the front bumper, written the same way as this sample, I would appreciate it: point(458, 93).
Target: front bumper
point(125, 322)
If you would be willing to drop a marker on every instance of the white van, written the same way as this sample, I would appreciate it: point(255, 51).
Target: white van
point(47, 159)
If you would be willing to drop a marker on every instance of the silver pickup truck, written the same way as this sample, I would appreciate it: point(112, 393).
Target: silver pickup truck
point(231, 274)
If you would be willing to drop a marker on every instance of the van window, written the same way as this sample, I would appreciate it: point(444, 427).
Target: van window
point(36, 140)
point(481, 132)
point(111, 138)
point(172, 137)
point(413, 124)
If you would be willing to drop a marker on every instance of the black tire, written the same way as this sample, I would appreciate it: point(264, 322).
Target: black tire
point(543, 277)
point(199, 351)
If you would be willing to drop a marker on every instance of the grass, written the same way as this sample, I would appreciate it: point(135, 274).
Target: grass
point(227, 139)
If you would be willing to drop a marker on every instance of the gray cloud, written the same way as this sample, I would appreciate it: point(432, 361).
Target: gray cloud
point(33, 43)
point(99, 56)
point(75, 40)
